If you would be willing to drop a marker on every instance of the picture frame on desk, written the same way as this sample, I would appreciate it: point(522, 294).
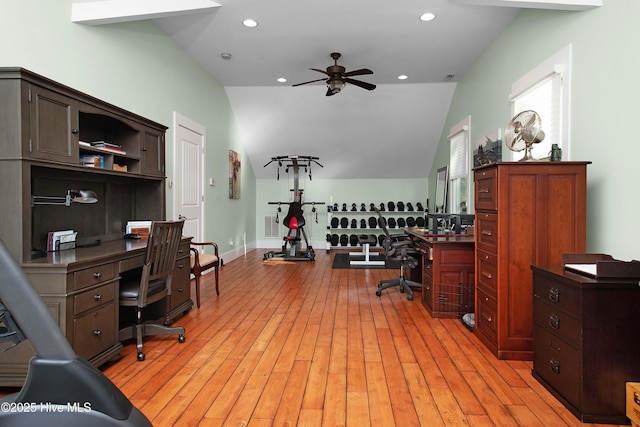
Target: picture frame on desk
point(488, 148)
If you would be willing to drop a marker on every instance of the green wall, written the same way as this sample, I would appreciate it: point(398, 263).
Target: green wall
point(137, 67)
point(604, 107)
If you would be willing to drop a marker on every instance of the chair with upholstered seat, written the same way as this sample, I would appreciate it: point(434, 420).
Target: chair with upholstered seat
point(153, 283)
point(201, 262)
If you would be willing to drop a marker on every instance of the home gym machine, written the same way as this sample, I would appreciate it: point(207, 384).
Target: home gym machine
point(292, 248)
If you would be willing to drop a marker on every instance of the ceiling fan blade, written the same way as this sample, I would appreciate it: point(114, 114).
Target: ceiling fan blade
point(359, 72)
point(312, 81)
point(364, 85)
point(319, 70)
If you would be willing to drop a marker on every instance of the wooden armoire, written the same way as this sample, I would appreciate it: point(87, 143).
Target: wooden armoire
point(527, 213)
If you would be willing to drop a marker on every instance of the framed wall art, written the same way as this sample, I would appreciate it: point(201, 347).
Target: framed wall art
point(488, 149)
point(235, 168)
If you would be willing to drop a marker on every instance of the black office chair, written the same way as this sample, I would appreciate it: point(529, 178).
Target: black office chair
point(398, 247)
point(154, 284)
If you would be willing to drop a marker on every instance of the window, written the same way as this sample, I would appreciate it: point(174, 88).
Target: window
point(459, 166)
point(545, 90)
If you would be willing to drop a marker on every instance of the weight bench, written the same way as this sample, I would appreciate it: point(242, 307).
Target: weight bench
point(366, 241)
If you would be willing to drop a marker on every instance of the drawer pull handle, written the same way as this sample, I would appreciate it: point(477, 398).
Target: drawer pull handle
point(181, 266)
point(97, 332)
point(554, 346)
point(97, 275)
point(427, 287)
point(487, 233)
point(180, 251)
point(554, 294)
point(487, 275)
point(554, 321)
point(636, 397)
point(487, 317)
point(97, 297)
point(180, 289)
point(483, 190)
point(554, 366)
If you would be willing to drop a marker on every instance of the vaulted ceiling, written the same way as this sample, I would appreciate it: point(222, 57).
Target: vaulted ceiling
point(390, 132)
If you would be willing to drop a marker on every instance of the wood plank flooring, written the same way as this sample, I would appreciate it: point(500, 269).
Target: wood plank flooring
point(299, 343)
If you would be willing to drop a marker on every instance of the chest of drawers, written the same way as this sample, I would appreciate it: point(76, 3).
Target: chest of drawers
point(526, 213)
point(585, 341)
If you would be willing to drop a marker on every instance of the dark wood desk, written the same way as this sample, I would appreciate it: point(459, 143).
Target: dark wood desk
point(81, 287)
point(448, 272)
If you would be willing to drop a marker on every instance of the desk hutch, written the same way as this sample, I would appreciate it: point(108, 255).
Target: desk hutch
point(44, 131)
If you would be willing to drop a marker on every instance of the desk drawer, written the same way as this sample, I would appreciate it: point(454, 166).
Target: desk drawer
point(558, 363)
point(183, 250)
point(486, 189)
point(91, 299)
point(95, 331)
point(486, 317)
point(487, 231)
point(559, 296)
point(131, 263)
point(488, 273)
point(557, 322)
point(93, 275)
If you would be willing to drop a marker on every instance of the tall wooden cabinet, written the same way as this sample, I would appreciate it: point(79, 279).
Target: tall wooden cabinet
point(527, 213)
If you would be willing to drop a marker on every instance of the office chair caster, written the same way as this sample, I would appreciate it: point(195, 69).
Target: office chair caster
point(379, 293)
point(181, 339)
point(140, 356)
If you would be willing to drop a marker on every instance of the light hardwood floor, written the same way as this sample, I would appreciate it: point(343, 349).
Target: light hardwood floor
point(300, 343)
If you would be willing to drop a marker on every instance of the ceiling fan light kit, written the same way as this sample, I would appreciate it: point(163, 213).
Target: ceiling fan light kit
point(338, 77)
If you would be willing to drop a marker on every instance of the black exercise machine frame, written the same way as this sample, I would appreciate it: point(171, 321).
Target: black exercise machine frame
point(295, 252)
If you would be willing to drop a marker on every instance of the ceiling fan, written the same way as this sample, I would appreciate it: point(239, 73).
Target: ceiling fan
point(338, 77)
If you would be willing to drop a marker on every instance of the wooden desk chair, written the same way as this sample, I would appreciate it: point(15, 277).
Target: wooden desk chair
point(201, 262)
point(154, 284)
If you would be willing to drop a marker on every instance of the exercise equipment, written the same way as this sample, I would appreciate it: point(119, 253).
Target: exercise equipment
point(292, 247)
point(61, 388)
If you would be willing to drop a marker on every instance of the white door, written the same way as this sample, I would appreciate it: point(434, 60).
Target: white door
point(190, 138)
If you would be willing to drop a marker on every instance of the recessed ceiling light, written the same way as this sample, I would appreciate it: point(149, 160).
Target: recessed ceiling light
point(281, 80)
point(403, 77)
point(249, 23)
point(426, 17)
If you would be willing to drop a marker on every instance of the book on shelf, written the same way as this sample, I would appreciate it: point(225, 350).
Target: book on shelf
point(105, 146)
point(92, 161)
